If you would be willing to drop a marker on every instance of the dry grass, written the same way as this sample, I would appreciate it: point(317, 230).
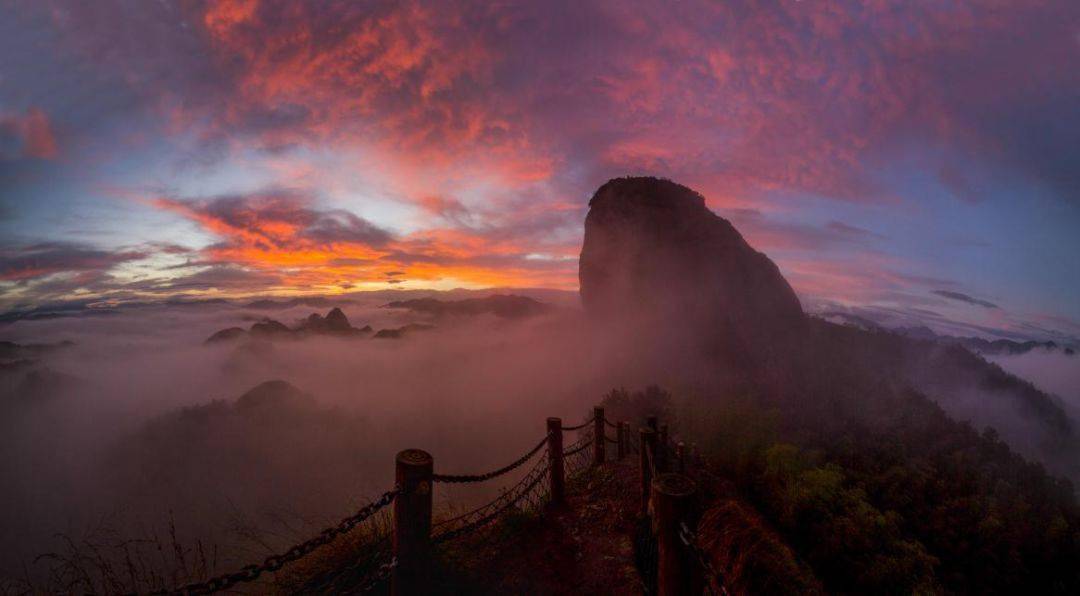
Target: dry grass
point(751, 556)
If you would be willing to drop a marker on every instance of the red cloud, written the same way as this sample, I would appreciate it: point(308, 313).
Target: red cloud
point(281, 231)
point(33, 131)
point(522, 109)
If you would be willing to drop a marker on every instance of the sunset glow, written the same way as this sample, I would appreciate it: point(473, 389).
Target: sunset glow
point(878, 152)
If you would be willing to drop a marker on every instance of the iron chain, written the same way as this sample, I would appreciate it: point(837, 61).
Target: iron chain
point(464, 478)
point(273, 563)
point(577, 449)
point(714, 580)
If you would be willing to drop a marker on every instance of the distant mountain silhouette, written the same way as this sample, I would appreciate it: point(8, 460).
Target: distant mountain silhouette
point(500, 305)
point(334, 323)
point(313, 301)
point(13, 351)
point(400, 332)
point(990, 347)
point(995, 347)
point(25, 376)
point(269, 328)
point(230, 334)
point(275, 394)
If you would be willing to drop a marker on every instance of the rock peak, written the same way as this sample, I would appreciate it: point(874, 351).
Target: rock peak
point(654, 251)
point(647, 191)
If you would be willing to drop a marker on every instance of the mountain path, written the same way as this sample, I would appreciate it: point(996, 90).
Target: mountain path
point(584, 547)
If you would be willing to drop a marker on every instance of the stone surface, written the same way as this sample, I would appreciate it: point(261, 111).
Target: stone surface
point(653, 252)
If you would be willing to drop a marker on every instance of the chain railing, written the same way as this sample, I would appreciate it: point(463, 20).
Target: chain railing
point(401, 555)
point(273, 563)
point(578, 447)
point(528, 490)
point(469, 478)
point(714, 580)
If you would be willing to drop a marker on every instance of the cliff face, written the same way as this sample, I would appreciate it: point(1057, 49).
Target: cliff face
point(654, 252)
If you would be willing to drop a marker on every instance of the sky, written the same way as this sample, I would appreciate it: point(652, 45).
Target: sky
point(913, 160)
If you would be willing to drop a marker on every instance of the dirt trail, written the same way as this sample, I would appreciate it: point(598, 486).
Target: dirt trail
point(586, 547)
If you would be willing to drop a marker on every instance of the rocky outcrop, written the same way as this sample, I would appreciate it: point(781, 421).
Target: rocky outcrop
point(506, 306)
point(654, 252)
point(334, 323)
point(401, 332)
point(337, 322)
point(226, 335)
point(269, 328)
point(275, 394)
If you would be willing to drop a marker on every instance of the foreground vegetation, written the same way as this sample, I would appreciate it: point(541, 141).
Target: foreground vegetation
point(877, 490)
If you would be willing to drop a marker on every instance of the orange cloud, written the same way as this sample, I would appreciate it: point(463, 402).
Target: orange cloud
point(334, 250)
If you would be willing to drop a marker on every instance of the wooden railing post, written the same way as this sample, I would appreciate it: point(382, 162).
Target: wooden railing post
point(555, 455)
point(662, 449)
point(412, 523)
point(652, 423)
point(673, 504)
point(599, 436)
point(648, 440)
point(680, 457)
point(621, 445)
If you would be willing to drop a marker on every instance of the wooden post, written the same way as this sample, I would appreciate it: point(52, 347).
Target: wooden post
point(412, 523)
point(555, 455)
point(673, 503)
point(662, 448)
point(680, 457)
point(599, 436)
point(648, 440)
point(651, 422)
point(621, 434)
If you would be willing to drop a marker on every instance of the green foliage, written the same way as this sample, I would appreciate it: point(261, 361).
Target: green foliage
point(875, 487)
point(852, 544)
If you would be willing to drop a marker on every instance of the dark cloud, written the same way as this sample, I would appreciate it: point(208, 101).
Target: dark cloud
point(46, 258)
point(338, 225)
point(222, 277)
point(277, 219)
point(961, 297)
